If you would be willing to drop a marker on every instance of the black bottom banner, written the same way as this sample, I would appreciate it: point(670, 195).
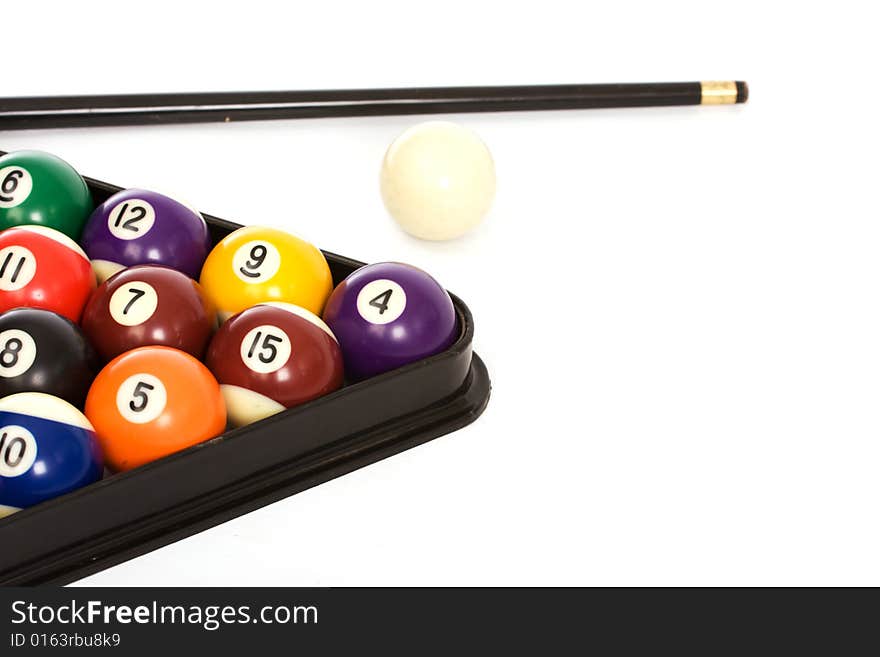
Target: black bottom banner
point(414, 621)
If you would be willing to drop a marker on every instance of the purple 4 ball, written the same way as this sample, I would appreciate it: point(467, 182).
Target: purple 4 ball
point(387, 315)
point(140, 227)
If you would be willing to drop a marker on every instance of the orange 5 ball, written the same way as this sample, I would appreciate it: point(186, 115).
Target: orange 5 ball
point(151, 402)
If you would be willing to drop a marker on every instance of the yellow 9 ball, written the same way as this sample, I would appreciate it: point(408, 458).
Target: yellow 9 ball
point(255, 264)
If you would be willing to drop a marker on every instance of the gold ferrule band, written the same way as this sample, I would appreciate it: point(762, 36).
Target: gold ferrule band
point(718, 93)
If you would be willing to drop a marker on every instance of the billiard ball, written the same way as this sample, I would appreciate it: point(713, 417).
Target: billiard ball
point(140, 227)
point(437, 180)
point(47, 448)
point(43, 268)
point(253, 264)
point(41, 351)
point(151, 402)
point(387, 315)
point(271, 357)
point(148, 305)
point(41, 189)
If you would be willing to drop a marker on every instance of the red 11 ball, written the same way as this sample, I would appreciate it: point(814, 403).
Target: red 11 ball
point(43, 268)
point(271, 357)
point(148, 305)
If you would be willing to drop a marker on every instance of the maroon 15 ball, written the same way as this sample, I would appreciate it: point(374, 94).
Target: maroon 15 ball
point(139, 227)
point(387, 315)
point(271, 357)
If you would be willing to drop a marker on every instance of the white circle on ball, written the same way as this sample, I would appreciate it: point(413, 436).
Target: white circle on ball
point(141, 398)
point(47, 407)
point(131, 219)
point(18, 266)
point(265, 349)
point(381, 301)
point(256, 261)
point(438, 180)
point(133, 303)
point(245, 406)
point(18, 450)
point(55, 236)
point(18, 351)
point(15, 186)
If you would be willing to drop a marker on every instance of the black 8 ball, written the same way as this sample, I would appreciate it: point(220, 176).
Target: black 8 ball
point(41, 351)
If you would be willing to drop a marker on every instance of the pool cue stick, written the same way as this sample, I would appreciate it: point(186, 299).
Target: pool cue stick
point(37, 112)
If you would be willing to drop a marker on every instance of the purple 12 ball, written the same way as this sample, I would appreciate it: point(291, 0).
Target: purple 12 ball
point(387, 315)
point(139, 227)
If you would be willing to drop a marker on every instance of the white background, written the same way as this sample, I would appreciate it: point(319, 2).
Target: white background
point(678, 307)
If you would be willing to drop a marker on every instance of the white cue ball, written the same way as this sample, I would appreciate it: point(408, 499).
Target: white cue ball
point(438, 180)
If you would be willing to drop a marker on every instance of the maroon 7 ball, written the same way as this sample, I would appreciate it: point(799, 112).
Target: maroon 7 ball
point(388, 315)
point(271, 357)
point(148, 305)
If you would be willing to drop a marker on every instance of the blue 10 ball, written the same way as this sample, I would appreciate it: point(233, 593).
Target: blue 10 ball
point(47, 448)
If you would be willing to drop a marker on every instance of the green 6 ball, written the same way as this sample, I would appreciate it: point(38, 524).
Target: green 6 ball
point(39, 188)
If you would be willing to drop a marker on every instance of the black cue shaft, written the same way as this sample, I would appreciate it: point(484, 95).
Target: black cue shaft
point(37, 112)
